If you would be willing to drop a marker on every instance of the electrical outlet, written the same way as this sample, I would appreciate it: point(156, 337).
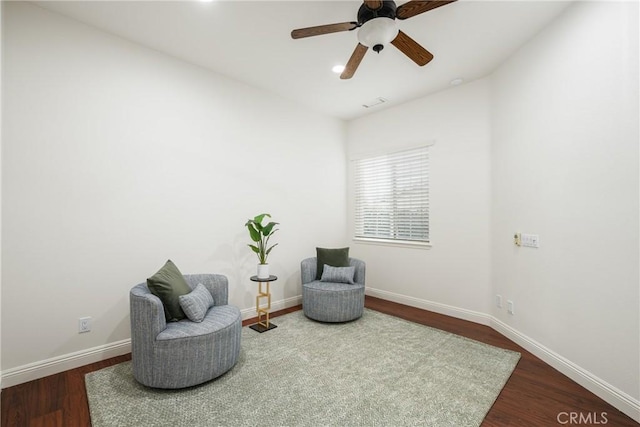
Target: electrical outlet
point(84, 324)
point(510, 307)
point(499, 301)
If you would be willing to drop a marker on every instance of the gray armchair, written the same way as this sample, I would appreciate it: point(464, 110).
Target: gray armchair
point(180, 354)
point(328, 301)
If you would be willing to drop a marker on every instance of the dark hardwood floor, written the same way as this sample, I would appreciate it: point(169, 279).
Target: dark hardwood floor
point(535, 395)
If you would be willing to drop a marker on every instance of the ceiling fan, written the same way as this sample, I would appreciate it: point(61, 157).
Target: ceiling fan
point(378, 26)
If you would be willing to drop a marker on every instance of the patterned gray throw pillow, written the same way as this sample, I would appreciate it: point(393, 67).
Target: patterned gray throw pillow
point(196, 303)
point(338, 274)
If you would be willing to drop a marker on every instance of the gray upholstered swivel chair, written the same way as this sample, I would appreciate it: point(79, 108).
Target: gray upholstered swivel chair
point(180, 354)
point(328, 301)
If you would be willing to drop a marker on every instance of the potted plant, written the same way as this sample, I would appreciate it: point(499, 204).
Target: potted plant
point(260, 234)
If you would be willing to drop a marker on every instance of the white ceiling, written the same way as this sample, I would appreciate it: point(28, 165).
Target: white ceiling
point(250, 41)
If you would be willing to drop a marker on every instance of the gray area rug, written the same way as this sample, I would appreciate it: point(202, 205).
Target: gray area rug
point(378, 370)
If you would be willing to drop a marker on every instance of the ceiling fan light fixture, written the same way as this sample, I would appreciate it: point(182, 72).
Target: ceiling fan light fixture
point(377, 32)
point(338, 69)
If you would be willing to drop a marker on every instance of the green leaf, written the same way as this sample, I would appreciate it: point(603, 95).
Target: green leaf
point(254, 249)
point(267, 228)
point(269, 250)
point(255, 234)
point(258, 219)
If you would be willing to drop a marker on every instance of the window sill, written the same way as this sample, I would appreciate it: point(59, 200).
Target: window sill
point(395, 243)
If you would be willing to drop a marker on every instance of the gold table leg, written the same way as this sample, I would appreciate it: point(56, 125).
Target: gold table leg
point(264, 323)
point(263, 311)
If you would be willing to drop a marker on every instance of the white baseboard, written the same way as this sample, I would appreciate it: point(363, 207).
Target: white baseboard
point(617, 398)
point(44, 368)
point(610, 394)
point(436, 307)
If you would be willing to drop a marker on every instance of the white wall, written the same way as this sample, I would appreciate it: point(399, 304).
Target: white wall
point(548, 145)
point(565, 166)
point(455, 271)
point(116, 157)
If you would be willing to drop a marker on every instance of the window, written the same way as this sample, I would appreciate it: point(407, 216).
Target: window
point(392, 197)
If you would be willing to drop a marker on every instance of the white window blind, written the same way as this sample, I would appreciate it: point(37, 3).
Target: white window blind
point(392, 196)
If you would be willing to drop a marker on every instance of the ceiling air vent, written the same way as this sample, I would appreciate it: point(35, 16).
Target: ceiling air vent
point(375, 102)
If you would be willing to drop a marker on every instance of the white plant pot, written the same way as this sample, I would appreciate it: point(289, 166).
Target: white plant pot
point(263, 271)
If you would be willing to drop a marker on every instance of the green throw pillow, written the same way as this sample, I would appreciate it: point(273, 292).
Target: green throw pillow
point(332, 257)
point(168, 284)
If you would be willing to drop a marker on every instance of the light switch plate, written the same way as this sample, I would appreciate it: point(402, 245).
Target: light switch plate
point(530, 240)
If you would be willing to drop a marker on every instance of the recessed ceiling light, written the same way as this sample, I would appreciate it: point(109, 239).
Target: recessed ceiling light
point(338, 69)
point(456, 81)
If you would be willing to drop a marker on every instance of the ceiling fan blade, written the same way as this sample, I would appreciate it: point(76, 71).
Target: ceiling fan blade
point(323, 29)
point(354, 61)
point(412, 49)
point(373, 4)
point(416, 7)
